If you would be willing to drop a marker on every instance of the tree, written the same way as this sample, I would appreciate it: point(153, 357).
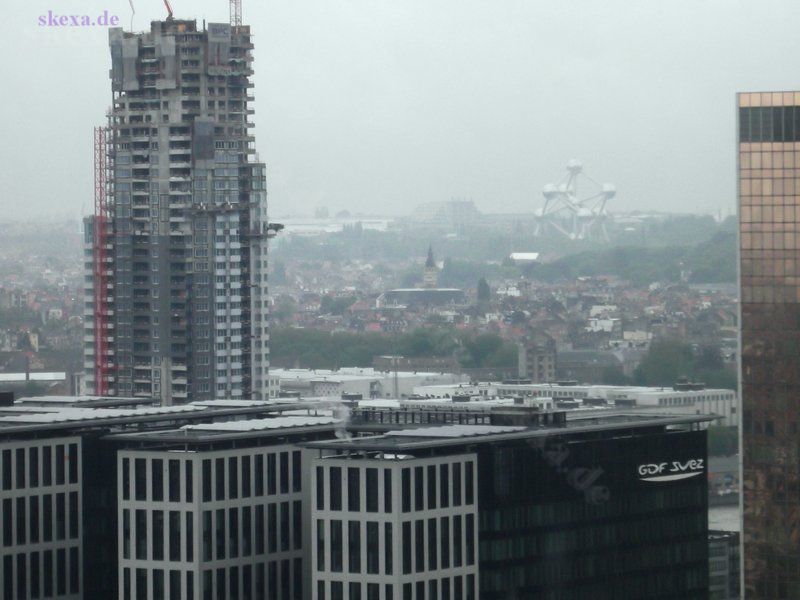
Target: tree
point(484, 291)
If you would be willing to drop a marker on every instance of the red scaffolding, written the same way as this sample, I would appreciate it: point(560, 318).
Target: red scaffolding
point(101, 278)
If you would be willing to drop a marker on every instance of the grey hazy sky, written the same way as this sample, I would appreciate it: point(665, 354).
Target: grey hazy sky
point(378, 105)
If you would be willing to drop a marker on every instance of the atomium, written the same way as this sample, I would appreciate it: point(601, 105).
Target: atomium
point(565, 213)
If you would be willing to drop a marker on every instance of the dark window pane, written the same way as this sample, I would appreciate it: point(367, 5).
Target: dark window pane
point(246, 477)
point(174, 480)
point(297, 466)
point(354, 546)
point(372, 490)
point(33, 467)
point(387, 490)
point(206, 480)
point(336, 488)
point(353, 489)
point(73, 463)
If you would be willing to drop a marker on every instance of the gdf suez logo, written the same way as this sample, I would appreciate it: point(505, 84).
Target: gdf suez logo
point(671, 471)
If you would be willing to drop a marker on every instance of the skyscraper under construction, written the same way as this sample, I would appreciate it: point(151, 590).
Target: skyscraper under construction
point(176, 251)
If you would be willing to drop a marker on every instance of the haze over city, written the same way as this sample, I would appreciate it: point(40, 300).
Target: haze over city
point(375, 107)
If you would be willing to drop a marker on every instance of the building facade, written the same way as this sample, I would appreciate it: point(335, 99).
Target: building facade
point(769, 267)
point(387, 529)
point(601, 508)
point(177, 309)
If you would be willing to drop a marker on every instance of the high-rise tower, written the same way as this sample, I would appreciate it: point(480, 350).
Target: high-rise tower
point(176, 254)
point(769, 216)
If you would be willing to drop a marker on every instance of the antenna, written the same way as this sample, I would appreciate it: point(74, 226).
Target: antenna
point(236, 13)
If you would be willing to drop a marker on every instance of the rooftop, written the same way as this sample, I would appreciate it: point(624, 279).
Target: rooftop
point(426, 437)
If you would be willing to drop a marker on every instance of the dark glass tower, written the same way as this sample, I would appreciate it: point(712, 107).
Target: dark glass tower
point(769, 211)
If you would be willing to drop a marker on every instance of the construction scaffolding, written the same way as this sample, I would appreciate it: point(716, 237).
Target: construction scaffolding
point(101, 269)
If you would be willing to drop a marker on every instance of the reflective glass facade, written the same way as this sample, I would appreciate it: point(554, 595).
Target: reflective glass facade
point(605, 517)
point(769, 211)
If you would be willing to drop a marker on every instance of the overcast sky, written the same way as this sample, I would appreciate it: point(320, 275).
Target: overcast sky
point(377, 106)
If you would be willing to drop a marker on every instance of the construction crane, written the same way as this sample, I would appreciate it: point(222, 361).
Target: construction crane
point(169, 10)
point(236, 13)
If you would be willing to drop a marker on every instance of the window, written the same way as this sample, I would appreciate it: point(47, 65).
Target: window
point(297, 466)
point(372, 490)
point(457, 484)
point(33, 467)
point(353, 489)
point(470, 534)
point(34, 519)
point(406, 547)
point(457, 554)
point(141, 535)
point(271, 474)
point(336, 488)
point(444, 533)
point(246, 477)
point(259, 475)
point(320, 482)
point(233, 532)
point(220, 533)
point(419, 488)
point(259, 529)
point(47, 517)
point(469, 490)
point(174, 533)
point(284, 472)
point(336, 546)
point(206, 480)
point(220, 478)
point(354, 546)
point(431, 486)
point(247, 533)
point(189, 481)
point(47, 466)
point(140, 478)
point(73, 463)
point(406, 490)
point(61, 517)
point(6, 469)
point(157, 477)
point(158, 535)
point(233, 477)
point(174, 468)
point(20, 467)
point(387, 490)
point(320, 545)
point(444, 485)
point(373, 552)
point(73, 515)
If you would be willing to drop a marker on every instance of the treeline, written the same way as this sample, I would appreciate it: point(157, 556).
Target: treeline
point(667, 361)
point(314, 349)
point(712, 261)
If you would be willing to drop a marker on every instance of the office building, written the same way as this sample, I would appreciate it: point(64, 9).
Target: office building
point(176, 289)
point(537, 358)
point(769, 201)
point(215, 510)
point(59, 488)
point(724, 560)
point(493, 505)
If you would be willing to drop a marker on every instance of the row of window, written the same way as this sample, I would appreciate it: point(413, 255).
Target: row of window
point(448, 483)
point(160, 477)
point(136, 531)
point(447, 588)
point(365, 546)
point(435, 486)
point(35, 519)
point(431, 544)
point(274, 580)
point(252, 530)
point(262, 474)
point(36, 466)
point(41, 574)
point(222, 478)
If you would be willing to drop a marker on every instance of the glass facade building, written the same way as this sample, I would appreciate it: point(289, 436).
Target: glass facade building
point(769, 216)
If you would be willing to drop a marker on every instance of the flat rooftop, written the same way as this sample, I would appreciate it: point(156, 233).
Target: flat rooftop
point(423, 437)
